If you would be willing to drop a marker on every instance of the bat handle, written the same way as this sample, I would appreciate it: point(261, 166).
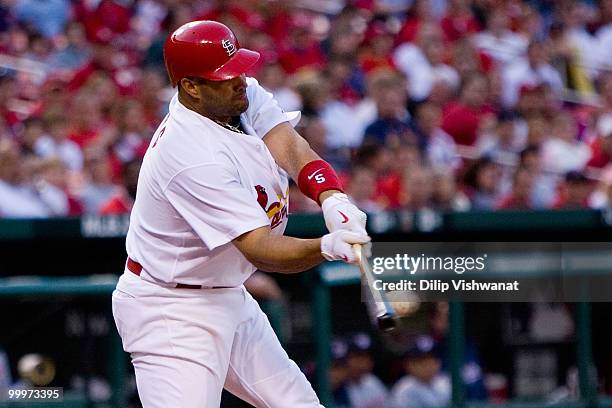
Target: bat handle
point(357, 251)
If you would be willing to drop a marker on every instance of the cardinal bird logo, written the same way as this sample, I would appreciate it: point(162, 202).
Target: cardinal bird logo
point(262, 196)
point(276, 211)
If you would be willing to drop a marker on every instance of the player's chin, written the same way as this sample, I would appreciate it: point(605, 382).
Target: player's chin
point(241, 105)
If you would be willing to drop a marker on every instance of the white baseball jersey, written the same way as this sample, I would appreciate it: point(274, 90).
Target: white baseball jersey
point(200, 186)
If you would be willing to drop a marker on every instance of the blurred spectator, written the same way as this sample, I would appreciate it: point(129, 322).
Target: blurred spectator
point(48, 17)
point(503, 145)
point(563, 152)
point(301, 50)
point(581, 44)
point(363, 388)
point(49, 181)
point(446, 195)
point(391, 187)
point(17, 198)
point(601, 147)
point(87, 120)
point(151, 96)
point(388, 181)
point(424, 386)
point(441, 148)
point(366, 111)
point(55, 143)
point(605, 82)
point(468, 61)
point(392, 125)
point(178, 14)
point(531, 71)
point(602, 197)
point(544, 187)
point(461, 119)
point(32, 132)
point(98, 187)
point(498, 41)
point(345, 79)
point(123, 199)
point(377, 47)
point(418, 184)
point(537, 130)
point(274, 79)
point(336, 116)
point(361, 188)
point(604, 33)
point(423, 63)
point(482, 183)
point(458, 21)
point(104, 19)
point(73, 51)
point(420, 13)
point(132, 132)
point(574, 191)
point(521, 194)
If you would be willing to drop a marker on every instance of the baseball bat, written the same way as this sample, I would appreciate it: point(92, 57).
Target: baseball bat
point(379, 309)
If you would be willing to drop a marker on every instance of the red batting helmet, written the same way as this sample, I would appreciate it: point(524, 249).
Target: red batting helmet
point(206, 49)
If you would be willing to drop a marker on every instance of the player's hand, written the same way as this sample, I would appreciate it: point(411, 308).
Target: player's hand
point(340, 214)
point(338, 245)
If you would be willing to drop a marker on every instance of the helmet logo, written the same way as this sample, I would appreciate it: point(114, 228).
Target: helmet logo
point(229, 47)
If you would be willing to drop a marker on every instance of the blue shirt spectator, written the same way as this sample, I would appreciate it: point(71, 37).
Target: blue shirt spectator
point(48, 17)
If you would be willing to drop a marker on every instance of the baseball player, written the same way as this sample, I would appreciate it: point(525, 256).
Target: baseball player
point(211, 207)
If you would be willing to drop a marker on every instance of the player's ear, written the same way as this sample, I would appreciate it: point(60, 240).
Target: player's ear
point(190, 87)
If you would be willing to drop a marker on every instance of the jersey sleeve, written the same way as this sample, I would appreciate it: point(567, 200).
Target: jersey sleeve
point(214, 203)
point(264, 112)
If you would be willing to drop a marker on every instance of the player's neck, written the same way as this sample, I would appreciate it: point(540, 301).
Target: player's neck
point(189, 104)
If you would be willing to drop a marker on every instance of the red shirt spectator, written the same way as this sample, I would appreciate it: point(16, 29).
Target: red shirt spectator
point(461, 119)
point(409, 30)
point(302, 49)
point(378, 44)
point(104, 18)
point(420, 13)
point(120, 203)
point(458, 21)
point(292, 59)
point(389, 191)
point(599, 156)
point(601, 147)
point(248, 17)
point(520, 198)
point(574, 192)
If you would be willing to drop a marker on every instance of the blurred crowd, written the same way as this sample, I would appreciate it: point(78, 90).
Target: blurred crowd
point(420, 104)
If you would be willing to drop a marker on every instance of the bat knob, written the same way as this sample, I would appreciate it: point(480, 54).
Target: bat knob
point(386, 323)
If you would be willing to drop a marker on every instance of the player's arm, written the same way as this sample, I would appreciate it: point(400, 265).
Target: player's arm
point(292, 152)
point(278, 253)
point(315, 178)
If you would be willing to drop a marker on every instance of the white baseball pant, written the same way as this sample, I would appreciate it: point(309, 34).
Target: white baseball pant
point(188, 344)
